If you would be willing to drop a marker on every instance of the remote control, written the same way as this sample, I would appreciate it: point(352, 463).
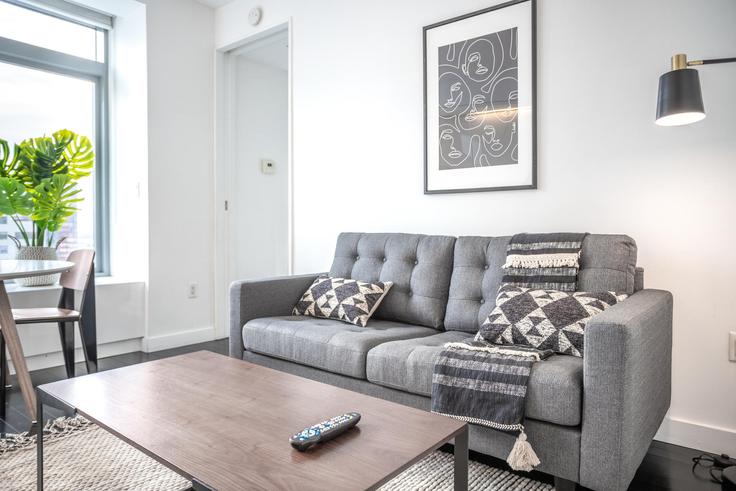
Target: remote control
point(326, 430)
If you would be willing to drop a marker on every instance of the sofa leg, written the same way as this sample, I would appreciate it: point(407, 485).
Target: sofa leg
point(564, 484)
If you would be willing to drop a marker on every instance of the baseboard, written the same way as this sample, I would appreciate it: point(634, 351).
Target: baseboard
point(177, 339)
point(55, 359)
point(697, 435)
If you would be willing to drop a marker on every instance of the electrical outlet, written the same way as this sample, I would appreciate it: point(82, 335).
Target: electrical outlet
point(193, 290)
point(732, 346)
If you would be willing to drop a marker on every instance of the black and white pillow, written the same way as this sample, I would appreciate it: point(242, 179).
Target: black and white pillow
point(342, 299)
point(544, 319)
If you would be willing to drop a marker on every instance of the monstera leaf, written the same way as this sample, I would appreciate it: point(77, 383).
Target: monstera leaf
point(41, 158)
point(39, 179)
point(8, 163)
point(78, 154)
point(14, 199)
point(64, 152)
point(54, 199)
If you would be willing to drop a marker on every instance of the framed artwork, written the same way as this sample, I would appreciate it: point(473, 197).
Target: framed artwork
point(479, 101)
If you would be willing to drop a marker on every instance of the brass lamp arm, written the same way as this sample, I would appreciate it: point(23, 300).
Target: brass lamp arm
point(679, 61)
point(711, 62)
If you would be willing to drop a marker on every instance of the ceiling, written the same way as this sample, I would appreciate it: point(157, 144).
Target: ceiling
point(214, 3)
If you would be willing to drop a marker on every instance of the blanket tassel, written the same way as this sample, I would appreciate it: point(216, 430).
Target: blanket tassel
point(522, 456)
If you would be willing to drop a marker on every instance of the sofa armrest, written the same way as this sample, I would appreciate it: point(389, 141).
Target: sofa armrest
point(251, 299)
point(626, 387)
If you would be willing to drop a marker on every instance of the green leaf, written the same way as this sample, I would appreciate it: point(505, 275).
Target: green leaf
point(78, 153)
point(14, 199)
point(8, 165)
point(48, 168)
point(54, 200)
point(43, 157)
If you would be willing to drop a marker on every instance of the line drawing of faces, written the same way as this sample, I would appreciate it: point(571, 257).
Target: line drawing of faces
point(452, 151)
point(498, 139)
point(481, 61)
point(454, 95)
point(513, 44)
point(504, 97)
point(476, 113)
point(478, 102)
point(449, 56)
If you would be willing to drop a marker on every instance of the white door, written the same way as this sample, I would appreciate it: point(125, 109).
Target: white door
point(259, 190)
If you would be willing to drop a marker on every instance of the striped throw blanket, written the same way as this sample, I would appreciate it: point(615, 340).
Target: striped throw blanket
point(544, 261)
point(486, 384)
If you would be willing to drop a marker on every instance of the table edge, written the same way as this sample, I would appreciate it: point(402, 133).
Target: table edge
point(29, 274)
point(154, 456)
point(419, 457)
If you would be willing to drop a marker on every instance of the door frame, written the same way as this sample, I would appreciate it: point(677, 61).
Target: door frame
point(225, 162)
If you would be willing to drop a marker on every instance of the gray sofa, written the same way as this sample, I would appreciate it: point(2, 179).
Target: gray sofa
point(589, 419)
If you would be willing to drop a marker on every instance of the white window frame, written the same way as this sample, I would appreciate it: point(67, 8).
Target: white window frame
point(36, 57)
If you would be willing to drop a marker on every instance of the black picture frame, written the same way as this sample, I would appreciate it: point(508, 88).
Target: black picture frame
point(425, 29)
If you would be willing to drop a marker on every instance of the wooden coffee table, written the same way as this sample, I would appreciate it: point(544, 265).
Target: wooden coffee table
point(225, 424)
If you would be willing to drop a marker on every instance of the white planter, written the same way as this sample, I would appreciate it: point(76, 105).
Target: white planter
point(38, 253)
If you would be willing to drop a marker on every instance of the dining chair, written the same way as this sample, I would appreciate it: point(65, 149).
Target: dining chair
point(81, 279)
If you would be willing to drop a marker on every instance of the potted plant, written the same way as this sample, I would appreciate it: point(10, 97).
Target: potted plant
point(38, 182)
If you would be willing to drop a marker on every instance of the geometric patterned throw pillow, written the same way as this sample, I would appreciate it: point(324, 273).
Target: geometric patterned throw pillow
point(342, 299)
point(544, 319)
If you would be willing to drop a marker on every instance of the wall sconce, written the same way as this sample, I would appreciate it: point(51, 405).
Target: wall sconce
point(680, 101)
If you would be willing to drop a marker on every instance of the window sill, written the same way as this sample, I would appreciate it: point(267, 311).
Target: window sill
point(100, 281)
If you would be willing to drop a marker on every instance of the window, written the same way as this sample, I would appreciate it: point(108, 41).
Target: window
point(53, 75)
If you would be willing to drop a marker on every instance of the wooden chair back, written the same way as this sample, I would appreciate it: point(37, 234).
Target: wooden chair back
point(77, 277)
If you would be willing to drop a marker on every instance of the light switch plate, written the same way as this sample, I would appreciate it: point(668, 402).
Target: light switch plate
point(732, 346)
point(268, 166)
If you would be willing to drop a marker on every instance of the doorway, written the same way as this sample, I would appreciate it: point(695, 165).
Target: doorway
point(253, 163)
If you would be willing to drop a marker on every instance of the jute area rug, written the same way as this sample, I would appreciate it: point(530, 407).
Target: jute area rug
point(81, 456)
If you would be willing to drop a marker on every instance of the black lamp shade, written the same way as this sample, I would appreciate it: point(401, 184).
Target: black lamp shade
point(680, 100)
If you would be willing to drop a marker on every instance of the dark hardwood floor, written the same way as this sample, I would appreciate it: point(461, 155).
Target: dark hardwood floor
point(665, 467)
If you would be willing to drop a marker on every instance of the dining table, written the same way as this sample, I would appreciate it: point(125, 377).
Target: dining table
point(10, 270)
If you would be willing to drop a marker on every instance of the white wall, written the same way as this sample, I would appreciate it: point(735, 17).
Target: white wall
point(120, 322)
point(121, 299)
point(162, 86)
point(603, 164)
point(259, 226)
point(180, 149)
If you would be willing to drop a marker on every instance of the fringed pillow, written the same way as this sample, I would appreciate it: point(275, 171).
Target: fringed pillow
point(544, 319)
point(342, 299)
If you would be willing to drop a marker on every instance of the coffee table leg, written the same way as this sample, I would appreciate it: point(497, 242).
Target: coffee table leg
point(461, 460)
point(39, 443)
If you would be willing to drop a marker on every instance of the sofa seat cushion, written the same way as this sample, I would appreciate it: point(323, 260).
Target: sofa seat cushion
point(324, 343)
point(554, 394)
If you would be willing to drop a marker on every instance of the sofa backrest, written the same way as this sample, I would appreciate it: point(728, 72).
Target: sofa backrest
point(607, 263)
point(419, 265)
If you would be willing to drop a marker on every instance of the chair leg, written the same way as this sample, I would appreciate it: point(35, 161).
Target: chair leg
point(3, 376)
point(66, 333)
point(88, 325)
point(88, 332)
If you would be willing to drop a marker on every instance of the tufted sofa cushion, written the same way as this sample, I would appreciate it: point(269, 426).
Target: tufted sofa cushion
point(607, 263)
point(420, 267)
